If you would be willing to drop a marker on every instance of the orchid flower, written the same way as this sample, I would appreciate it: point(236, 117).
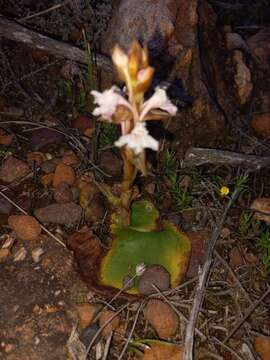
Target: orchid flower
point(138, 140)
point(159, 100)
point(134, 70)
point(108, 101)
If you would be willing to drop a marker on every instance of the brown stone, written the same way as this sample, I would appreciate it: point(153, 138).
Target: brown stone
point(261, 204)
point(112, 325)
point(259, 45)
point(25, 226)
point(69, 158)
point(86, 313)
point(162, 317)
point(13, 169)
point(64, 173)
point(68, 213)
point(63, 193)
point(260, 123)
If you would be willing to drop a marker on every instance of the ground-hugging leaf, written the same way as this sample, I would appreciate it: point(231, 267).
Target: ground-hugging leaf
point(146, 240)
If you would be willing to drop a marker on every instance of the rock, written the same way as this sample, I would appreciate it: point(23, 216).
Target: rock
point(161, 351)
point(4, 254)
point(88, 333)
point(43, 138)
point(36, 156)
point(162, 318)
point(262, 346)
point(235, 41)
point(86, 313)
point(82, 123)
point(236, 258)
point(149, 21)
point(63, 193)
point(5, 138)
point(259, 45)
point(13, 169)
point(69, 158)
point(25, 226)
point(198, 243)
point(96, 209)
point(112, 325)
point(47, 179)
point(65, 214)
point(64, 173)
point(48, 166)
point(154, 274)
point(5, 206)
point(242, 77)
point(261, 204)
point(260, 123)
point(36, 254)
point(111, 164)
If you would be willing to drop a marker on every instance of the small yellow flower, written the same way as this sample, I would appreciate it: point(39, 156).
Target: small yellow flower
point(224, 191)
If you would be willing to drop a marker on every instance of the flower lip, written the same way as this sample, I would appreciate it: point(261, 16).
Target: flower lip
point(138, 140)
point(108, 101)
point(159, 100)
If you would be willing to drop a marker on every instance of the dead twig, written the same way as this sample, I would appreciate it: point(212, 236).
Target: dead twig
point(202, 156)
point(203, 277)
point(43, 12)
point(227, 348)
point(107, 346)
point(233, 274)
point(102, 327)
point(249, 311)
point(16, 32)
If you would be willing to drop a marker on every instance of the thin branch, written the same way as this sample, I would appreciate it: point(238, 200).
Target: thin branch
point(102, 327)
point(241, 320)
point(43, 12)
point(202, 156)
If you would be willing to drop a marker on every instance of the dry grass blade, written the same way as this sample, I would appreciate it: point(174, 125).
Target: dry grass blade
point(131, 331)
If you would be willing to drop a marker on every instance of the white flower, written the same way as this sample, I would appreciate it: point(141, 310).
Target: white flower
point(159, 100)
point(107, 101)
point(138, 139)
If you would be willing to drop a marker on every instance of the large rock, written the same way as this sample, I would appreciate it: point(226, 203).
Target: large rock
point(64, 214)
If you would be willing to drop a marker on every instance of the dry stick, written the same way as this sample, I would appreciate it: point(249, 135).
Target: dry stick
point(227, 348)
point(227, 266)
point(131, 331)
point(16, 32)
point(107, 346)
point(25, 213)
point(203, 276)
point(54, 7)
point(179, 313)
point(102, 327)
point(247, 314)
point(201, 156)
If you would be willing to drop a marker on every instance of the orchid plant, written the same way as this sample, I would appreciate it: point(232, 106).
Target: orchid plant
point(139, 236)
point(131, 111)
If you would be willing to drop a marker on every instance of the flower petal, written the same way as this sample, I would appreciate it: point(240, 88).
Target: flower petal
point(138, 140)
point(159, 100)
point(107, 102)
